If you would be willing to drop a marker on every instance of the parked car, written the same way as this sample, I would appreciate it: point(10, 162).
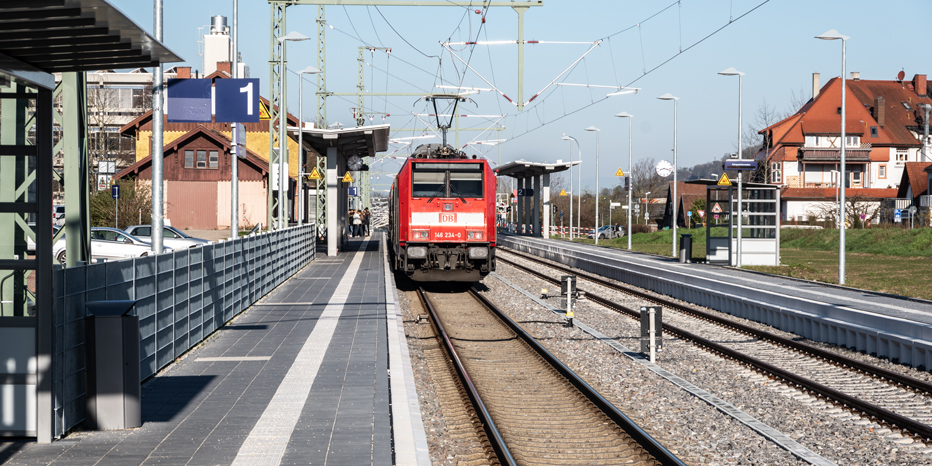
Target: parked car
point(605, 231)
point(110, 244)
point(30, 244)
point(58, 215)
point(171, 236)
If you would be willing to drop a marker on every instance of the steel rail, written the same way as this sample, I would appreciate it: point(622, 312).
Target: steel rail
point(877, 412)
point(645, 440)
point(491, 431)
point(905, 380)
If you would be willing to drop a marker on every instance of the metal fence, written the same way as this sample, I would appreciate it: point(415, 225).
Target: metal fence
point(182, 297)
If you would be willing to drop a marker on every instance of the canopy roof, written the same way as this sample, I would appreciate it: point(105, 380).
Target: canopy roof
point(524, 169)
point(363, 141)
point(49, 36)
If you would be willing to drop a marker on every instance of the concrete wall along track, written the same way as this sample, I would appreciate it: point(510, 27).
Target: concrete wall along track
point(900, 339)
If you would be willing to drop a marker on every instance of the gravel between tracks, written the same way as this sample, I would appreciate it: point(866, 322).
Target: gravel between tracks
point(699, 433)
point(695, 431)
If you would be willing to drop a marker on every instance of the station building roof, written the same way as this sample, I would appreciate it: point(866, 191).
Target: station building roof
point(40, 37)
point(524, 169)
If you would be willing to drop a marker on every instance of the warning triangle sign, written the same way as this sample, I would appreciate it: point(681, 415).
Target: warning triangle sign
point(724, 181)
point(314, 175)
point(563, 192)
point(619, 173)
point(347, 178)
point(716, 209)
point(264, 114)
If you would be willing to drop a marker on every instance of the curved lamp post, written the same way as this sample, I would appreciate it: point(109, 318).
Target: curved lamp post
point(834, 35)
point(571, 138)
point(630, 117)
point(734, 72)
point(282, 123)
point(595, 234)
point(301, 195)
point(669, 96)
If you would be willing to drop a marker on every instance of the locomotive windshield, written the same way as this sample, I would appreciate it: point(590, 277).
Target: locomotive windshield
point(447, 180)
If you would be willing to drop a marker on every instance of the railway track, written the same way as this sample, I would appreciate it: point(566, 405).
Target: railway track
point(533, 409)
point(889, 398)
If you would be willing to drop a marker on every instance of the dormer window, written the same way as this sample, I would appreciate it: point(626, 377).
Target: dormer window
point(873, 131)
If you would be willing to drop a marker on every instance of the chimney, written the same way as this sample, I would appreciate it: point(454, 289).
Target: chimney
point(856, 75)
point(815, 85)
point(879, 110)
point(183, 72)
point(919, 84)
point(226, 67)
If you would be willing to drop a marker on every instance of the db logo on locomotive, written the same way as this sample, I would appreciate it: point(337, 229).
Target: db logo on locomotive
point(448, 217)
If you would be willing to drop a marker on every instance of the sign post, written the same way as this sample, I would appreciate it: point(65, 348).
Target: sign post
point(115, 193)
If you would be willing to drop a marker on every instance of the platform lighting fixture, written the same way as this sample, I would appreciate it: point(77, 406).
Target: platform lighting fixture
point(308, 70)
point(571, 138)
point(282, 144)
point(734, 72)
point(834, 35)
point(669, 96)
point(595, 235)
point(630, 118)
point(623, 91)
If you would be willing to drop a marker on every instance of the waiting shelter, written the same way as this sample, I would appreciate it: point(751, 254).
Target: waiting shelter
point(530, 176)
point(759, 241)
point(345, 150)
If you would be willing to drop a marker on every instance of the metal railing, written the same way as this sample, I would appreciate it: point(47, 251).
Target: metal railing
point(181, 298)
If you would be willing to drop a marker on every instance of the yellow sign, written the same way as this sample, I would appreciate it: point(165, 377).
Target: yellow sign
point(314, 175)
point(619, 173)
point(264, 114)
point(347, 178)
point(563, 192)
point(724, 181)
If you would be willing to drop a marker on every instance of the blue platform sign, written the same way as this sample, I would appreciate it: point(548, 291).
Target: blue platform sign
point(739, 165)
point(897, 216)
point(189, 101)
point(351, 191)
point(115, 191)
point(237, 100)
point(525, 192)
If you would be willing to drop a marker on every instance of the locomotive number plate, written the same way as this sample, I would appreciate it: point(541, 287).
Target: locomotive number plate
point(447, 235)
point(448, 217)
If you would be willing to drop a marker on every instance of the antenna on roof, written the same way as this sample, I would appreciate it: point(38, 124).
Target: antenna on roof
point(901, 75)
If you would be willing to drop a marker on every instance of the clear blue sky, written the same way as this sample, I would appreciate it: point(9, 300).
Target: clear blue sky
point(774, 45)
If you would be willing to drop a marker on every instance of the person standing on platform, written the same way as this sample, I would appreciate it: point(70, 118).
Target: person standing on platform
point(357, 223)
point(365, 221)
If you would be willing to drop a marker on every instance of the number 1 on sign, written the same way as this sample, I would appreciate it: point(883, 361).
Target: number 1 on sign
point(248, 90)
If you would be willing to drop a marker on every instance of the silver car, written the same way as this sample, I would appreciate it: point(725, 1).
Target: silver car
point(109, 244)
point(171, 236)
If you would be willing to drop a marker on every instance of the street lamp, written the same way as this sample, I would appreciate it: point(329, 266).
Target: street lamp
point(571, 138)
point(734, 72)
point(282, 123)
point(595, 235)
point(308, 70)
point(834, 35)
point(630, 117)
point(669, 96)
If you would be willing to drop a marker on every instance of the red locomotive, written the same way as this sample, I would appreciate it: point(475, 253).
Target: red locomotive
point(442, 216)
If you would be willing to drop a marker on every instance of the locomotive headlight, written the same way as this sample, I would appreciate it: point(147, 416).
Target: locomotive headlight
point(477, 253)
point(420, 234)
point(417, 252)
point(473, 235)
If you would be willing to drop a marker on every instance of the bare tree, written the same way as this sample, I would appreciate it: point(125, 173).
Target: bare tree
point(855, 206)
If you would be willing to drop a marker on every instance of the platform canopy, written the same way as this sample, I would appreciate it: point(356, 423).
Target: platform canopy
point(363, 141)
point(53, 36)
point(524, 169)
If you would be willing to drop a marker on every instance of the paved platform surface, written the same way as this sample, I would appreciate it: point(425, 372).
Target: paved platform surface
point(302, 377)
point(914, 310)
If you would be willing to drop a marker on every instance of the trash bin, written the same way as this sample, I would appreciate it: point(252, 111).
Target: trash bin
point(111, 346)
point(686, 248)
